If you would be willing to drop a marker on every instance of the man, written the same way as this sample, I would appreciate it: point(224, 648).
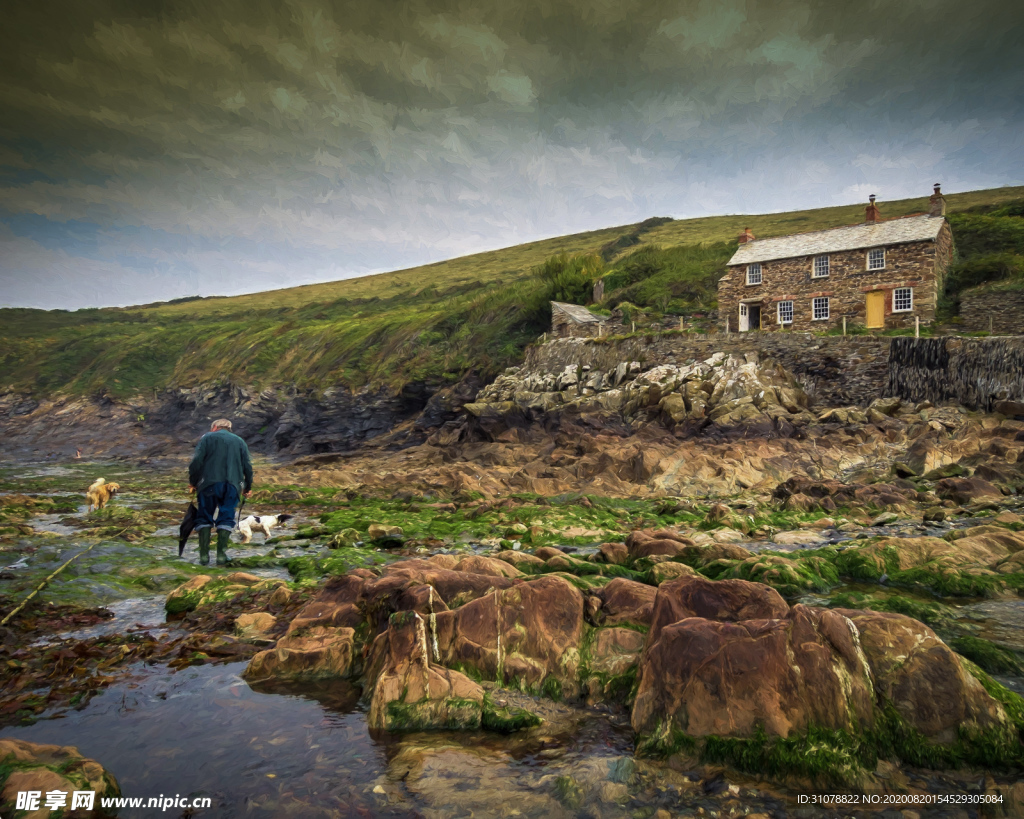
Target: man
point(220, 472)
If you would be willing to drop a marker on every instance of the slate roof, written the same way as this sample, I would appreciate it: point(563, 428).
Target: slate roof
point(579, 314)
point(854, 237)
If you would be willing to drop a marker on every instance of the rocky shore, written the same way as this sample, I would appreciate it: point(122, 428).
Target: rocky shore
point(741, 595)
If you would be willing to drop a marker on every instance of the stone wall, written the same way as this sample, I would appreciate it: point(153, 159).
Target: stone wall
point(919, 265)
point(835, 371)
point(997, 311)
point(974, 372)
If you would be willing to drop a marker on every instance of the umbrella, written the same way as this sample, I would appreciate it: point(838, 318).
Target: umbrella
point(188, 523)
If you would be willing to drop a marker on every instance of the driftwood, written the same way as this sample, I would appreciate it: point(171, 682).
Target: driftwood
point(47, 580)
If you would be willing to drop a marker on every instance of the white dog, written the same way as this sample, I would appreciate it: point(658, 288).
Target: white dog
point(260, 523)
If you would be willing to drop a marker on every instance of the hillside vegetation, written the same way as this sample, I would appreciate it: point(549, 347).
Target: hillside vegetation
point(435, 323)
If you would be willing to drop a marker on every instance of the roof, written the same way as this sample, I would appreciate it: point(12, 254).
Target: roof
point(853, 237)
point(579, 314)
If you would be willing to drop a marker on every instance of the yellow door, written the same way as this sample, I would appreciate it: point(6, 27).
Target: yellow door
point(876, 309)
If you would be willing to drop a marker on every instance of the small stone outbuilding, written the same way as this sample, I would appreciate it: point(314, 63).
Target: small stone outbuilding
point(574, 321)
point(882, 274)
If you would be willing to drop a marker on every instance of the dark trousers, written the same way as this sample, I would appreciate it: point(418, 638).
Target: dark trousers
point(217, 504)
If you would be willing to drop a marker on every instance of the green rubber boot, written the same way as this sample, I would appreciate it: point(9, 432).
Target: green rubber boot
point(204, 546)
point(223, 539)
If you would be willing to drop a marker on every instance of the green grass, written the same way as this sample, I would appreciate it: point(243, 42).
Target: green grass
point(430, 324)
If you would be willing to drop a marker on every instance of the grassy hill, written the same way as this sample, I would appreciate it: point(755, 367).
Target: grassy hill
point(436, 322)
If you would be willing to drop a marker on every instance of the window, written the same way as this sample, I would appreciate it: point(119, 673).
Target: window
point(820, 306)
point(754, 273)
point(820, 267)
point(876, 259)
point(785, 312)
point(902, 299)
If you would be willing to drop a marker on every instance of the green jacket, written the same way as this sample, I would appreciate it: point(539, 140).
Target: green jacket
point(221, 456)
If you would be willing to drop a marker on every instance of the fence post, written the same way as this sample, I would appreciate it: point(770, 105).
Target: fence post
point(917, 326)
point(844, 325)
point(727, 325)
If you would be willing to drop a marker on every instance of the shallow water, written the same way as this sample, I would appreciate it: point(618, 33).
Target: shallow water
point(203, 731)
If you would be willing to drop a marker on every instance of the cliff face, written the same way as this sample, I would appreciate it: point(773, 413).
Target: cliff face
point(275, 421)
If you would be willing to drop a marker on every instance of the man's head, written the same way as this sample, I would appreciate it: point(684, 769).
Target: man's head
point(220, 423)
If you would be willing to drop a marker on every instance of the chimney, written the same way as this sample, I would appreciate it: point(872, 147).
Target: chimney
point(937, 203)
point(745, 236)
point(871, 212)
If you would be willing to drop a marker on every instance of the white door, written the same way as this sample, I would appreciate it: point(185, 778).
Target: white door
point(744, 319)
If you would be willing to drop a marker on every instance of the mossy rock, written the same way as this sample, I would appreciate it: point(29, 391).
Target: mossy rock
point(988, 656)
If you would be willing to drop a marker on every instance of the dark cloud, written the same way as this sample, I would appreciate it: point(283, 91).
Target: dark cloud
point(232, 146)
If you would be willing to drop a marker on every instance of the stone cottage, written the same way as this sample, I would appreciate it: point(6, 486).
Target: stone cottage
point(574, 321)
point(882, 274)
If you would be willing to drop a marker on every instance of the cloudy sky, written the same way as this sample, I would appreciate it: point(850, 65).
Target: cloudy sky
point(158, 149)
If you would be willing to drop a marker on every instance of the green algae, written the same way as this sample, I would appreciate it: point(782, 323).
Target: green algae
point(988, 656)
point(930, 612)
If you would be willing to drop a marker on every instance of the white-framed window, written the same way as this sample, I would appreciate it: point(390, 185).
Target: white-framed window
point(902, 299)
point(785, 312)
point(754, 273)
point(820, 270)
point(876, 259)
point(819, 307)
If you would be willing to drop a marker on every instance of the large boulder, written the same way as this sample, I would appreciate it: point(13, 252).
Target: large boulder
point(784, 675)
point(967, 490)
point(411, 694)
point(625, 601)
point(525, 633)
point(923, 679)
point(720, 600)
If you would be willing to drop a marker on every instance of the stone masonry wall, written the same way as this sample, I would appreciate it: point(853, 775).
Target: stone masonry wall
point(998, 311)
point(834, 371)
point(914, 264)
point(974, 372)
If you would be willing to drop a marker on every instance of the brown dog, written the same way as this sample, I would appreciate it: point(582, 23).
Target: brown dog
point(100, 493)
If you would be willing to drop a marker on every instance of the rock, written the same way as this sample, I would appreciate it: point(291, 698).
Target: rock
point(718, 513)
point(46, 768)
point(1007, 517)
point(615, 650)
point(614, 553)
point(783, 675)
point(546, 552)
point(626, 601)
point(186, 597)
point(727, 536)
point(925, 681)
point(476, 564)
point(934, 514)
point(346, 538)
point(336, 605)
point(668, 570)
point(381, 532)
point(317, 653)
point(723, 600)
point(529, 632)
point(520, 559)
point(411, 694)
point(884, 518)
point(1010, 408)
point(702, 554)
point(799, 538)
point(966, 490)
point(886, 406)
point(242, 579)
point(254, 627)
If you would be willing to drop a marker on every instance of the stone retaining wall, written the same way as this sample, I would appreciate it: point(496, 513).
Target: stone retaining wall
point(974, 372)
point(834, 371)
point(997, 311)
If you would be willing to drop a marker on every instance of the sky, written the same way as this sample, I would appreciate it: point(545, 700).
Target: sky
point(156, 149)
